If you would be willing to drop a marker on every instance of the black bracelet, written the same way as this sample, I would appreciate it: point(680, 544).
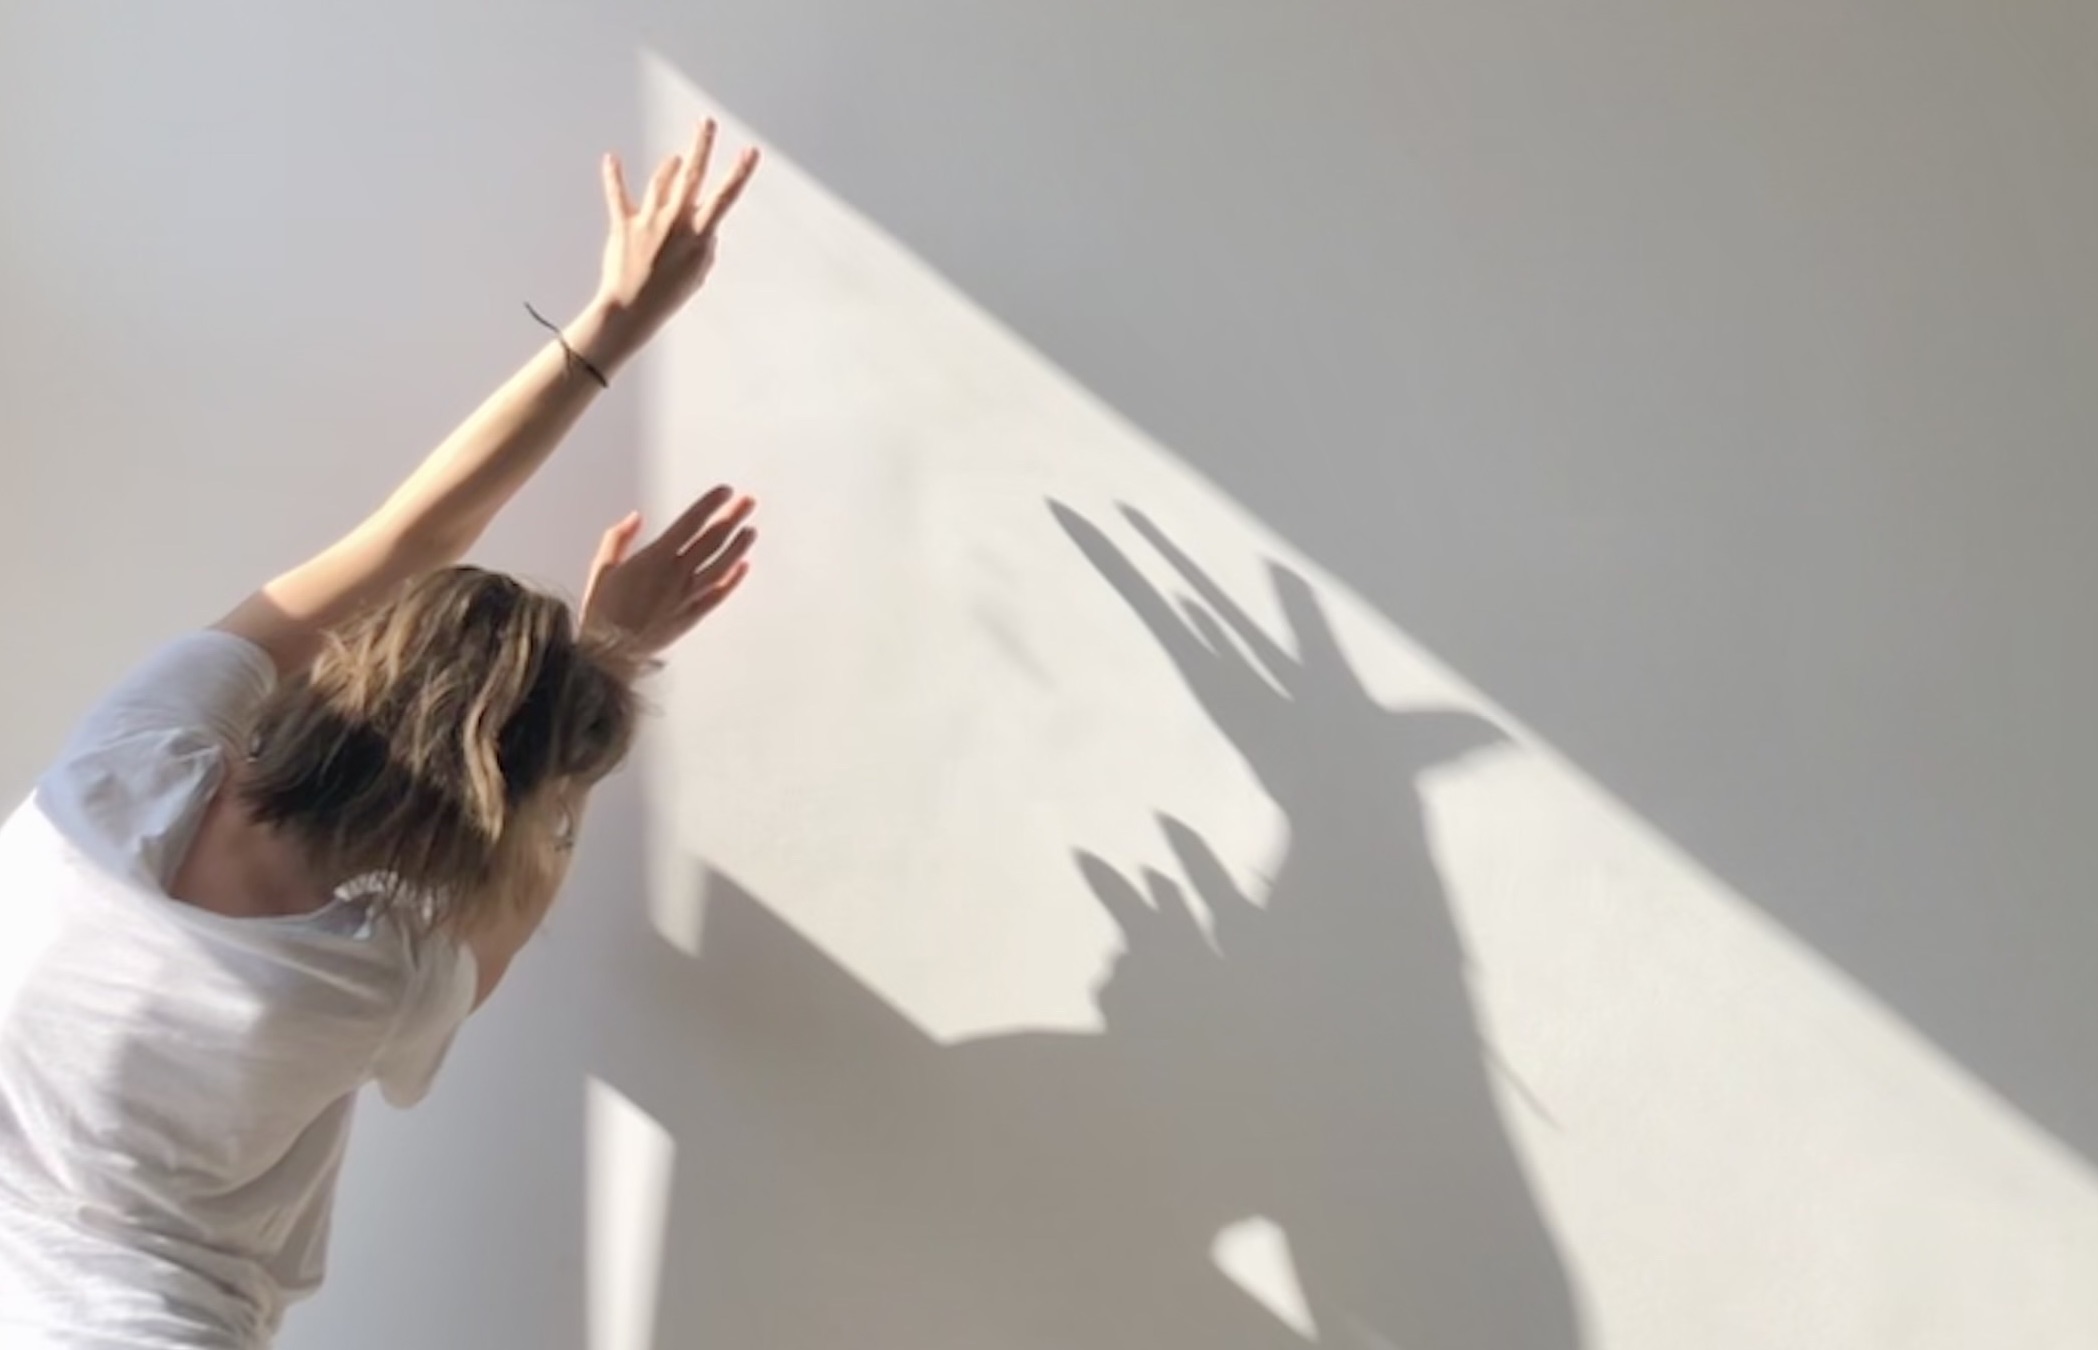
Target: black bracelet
point(575, 358)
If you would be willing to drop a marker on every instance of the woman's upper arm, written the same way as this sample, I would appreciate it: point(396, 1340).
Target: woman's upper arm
point(428, 1017)
point(495, 945)
point(289, 617)
point(491, 963)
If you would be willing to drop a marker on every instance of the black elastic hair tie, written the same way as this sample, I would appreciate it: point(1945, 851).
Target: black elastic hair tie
point(576, 360)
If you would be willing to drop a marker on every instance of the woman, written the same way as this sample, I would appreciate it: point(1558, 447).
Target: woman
point(289, 854)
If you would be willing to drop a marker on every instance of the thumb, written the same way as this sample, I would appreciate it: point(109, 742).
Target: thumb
point(613, 548)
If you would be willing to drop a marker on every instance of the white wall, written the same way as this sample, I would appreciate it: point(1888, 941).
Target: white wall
point(1691, 399)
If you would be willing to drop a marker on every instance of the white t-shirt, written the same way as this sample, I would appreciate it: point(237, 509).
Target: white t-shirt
point(175, 1085)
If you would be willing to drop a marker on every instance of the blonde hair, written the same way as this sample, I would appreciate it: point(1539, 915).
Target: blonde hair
point(426, 751)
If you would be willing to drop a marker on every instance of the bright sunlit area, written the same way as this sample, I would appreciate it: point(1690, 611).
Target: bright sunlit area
point(1407, 682)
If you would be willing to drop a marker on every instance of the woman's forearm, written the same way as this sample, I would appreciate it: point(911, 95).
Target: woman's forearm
point(447, 502)
point(658, 251)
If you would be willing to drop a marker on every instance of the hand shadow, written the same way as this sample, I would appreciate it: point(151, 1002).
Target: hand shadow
point(1326, 1040)
point(1308, 1057)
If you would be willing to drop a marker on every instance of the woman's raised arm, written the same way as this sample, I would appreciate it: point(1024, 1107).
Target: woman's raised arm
point(658, 252)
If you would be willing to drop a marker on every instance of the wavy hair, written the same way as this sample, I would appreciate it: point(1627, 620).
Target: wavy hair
point(425, 752)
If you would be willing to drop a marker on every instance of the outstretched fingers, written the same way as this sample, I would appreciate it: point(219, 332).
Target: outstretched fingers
point(618, 204)
point(663, 183)
point(705, 601)
point(675, 188)
point(720, 564)
point(707, 217)
point(1169, 902)
point(1186, 651)
point(699, 549)
point(712, 548)
point(1265, 649)
point(694, 169)
point(1229, 666)
point(1124, 903)
point(1231, 910)
point(1318, 646)
point(681, 532)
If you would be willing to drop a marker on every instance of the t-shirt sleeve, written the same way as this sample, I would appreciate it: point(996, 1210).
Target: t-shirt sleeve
point(206, 680)
point(126, 783)
point(440, 995)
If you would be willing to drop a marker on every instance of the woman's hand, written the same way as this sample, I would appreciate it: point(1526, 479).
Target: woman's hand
point(658, 251)
point(656, 595)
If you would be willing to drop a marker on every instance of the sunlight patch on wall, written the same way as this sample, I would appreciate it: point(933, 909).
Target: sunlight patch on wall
point(628, 1184)
point(935, 693)
point(1255, 1254)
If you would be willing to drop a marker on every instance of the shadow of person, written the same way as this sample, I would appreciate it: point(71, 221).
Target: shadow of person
point(1310, 1059)
point(1384, 1159)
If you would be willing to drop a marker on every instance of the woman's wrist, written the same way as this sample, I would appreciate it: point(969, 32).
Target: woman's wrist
point(606, 333)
